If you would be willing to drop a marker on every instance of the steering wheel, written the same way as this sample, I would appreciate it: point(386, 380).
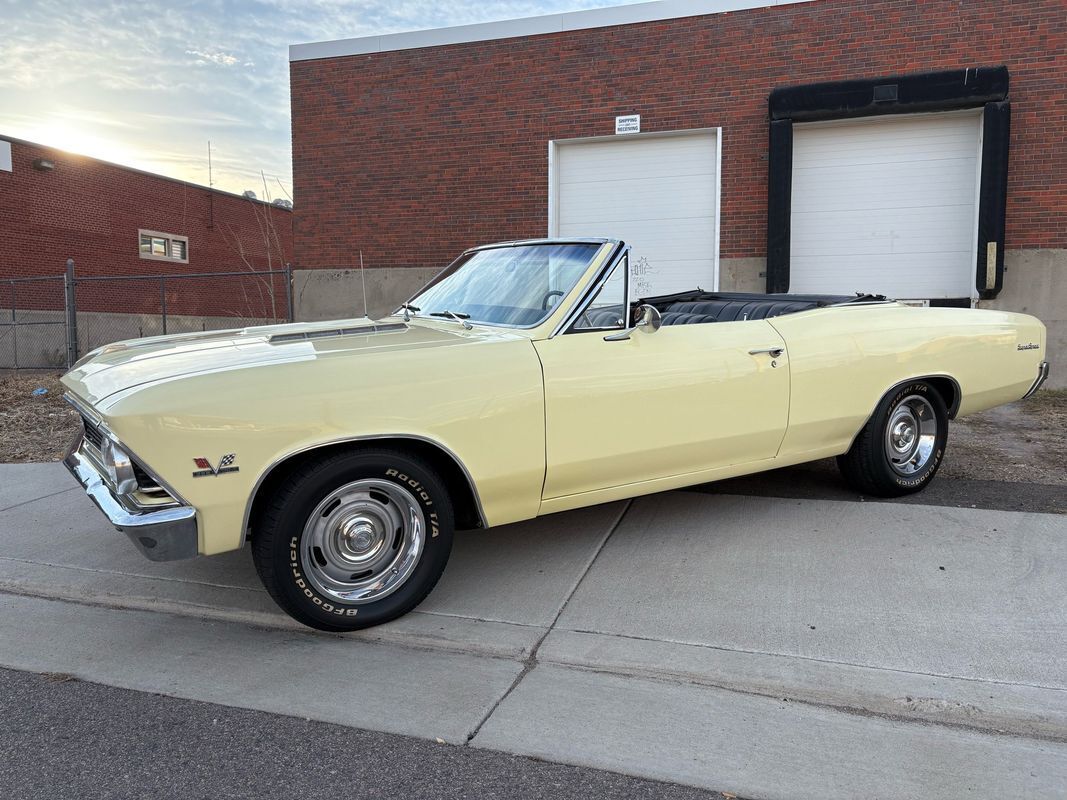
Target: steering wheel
point(548, 296)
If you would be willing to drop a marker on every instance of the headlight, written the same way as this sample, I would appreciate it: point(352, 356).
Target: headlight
point(119, 467)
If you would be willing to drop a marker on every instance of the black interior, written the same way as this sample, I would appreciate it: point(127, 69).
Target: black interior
point(698, 307)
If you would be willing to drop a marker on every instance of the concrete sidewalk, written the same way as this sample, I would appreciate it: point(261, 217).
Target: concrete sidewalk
point(769, 647)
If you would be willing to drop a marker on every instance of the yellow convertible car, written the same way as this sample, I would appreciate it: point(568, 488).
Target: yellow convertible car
point(523, 380)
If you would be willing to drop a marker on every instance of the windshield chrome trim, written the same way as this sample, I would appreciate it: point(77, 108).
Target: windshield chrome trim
point(517, 243)
point(621, 251)
point(527, 242)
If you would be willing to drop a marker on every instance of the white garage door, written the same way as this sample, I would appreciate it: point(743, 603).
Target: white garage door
point(657, 193)
point(886, 205)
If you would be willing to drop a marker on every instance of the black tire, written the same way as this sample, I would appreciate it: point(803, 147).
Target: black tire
point(382, 486)
point(879, 463)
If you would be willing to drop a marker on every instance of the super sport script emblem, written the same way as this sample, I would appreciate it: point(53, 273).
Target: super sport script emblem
point(205, 468)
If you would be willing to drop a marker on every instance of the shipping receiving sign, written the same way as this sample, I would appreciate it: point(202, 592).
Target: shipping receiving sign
point(631, 123)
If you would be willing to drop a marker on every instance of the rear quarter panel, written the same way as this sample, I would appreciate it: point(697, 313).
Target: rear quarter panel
point(842, 361)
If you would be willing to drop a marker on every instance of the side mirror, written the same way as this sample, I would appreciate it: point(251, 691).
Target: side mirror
point(648, 320)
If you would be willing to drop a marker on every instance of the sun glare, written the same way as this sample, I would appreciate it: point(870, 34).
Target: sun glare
point(65, 135)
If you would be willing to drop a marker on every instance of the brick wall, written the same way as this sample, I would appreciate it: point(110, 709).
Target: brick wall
point(91, 211)
point(413, 155)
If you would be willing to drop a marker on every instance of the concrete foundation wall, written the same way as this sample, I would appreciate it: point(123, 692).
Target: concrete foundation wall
point(40, 340)
point(338, 293)
point(743, 275)
point(1035, 282)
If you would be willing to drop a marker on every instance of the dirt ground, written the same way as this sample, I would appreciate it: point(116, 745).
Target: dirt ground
point(1025, 442)
point(34, 428)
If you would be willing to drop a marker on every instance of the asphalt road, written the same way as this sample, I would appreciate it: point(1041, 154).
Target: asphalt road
point(64, 739)
point(820, 480)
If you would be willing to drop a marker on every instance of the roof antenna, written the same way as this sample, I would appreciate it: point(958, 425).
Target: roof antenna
point(363, 279)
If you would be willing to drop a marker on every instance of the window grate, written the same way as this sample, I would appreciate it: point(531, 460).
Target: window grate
point(163, 246)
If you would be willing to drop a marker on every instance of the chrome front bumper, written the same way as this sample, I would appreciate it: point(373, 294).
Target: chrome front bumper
point(167, 534)
point(1042, 376)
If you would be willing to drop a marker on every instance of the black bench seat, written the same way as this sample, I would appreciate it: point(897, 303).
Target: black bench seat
point(697, 307)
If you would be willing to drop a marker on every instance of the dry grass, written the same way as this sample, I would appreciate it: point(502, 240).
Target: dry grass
point(1024, 442)
point(34, 428)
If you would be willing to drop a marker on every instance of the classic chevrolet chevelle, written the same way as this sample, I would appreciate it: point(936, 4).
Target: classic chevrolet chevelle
point(524, 379)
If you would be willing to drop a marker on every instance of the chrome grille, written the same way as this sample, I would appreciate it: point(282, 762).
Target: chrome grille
point(93, 434)
point(146, 483)
point(94, 437)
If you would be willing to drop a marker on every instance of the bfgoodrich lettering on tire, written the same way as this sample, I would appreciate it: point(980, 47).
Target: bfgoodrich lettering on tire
point(900, 448)
point(354, 539)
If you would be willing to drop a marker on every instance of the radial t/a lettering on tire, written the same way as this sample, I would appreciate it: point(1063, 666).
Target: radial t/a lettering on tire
point(354, 539)
point(901, 447)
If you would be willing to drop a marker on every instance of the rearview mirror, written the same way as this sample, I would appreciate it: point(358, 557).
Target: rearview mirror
point(647, 319)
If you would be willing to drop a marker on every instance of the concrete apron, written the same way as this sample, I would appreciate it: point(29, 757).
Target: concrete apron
point(771, 647)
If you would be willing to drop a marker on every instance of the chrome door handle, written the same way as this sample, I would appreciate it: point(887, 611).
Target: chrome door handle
point(773, 352)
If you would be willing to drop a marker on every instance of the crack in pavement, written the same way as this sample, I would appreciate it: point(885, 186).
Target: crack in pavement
point(797, 656)
point(35, 499)
point(845, 708)
point(166, 578)
point(530, 662)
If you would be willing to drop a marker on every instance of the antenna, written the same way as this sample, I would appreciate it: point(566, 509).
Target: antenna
point(363, 279)
point(209, 181)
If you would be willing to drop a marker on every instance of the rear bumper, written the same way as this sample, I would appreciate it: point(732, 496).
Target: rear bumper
point(166, 534)
point(1042, 376)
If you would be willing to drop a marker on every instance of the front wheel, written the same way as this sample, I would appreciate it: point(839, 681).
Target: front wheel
point(354, 539)
point(900, 448)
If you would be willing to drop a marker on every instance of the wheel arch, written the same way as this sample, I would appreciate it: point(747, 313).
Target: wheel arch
point(949, 389)
point(946, 386)
point(458, 480)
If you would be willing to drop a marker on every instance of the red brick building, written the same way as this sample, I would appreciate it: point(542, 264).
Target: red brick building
point(913, 148)
point(114, 220)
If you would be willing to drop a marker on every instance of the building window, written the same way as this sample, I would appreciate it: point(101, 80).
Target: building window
point(164, 246)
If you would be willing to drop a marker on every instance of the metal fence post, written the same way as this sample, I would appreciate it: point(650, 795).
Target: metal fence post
point(70, 301)
point(14, 327)
point(163, 302)
point(289, 290)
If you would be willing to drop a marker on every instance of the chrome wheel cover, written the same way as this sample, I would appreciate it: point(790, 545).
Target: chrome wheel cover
point(363, 541)
point(910, 435)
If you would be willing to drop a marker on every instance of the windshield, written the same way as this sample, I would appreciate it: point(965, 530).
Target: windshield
point(516, 286)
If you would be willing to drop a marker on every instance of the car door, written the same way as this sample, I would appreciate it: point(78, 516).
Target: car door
point(679, 400)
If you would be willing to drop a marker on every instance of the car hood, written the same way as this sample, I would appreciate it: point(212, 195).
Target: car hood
point(125, 365)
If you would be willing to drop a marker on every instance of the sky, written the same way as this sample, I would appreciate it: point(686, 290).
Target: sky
point(148, 84)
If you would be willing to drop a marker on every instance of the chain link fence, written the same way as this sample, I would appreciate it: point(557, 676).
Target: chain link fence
point(33, 322)
point(48, 322)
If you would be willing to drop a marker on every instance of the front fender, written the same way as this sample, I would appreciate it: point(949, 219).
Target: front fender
point(484, 403)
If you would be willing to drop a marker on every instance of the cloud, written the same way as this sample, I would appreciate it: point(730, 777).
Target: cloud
point(159, 79)
point(222, 59)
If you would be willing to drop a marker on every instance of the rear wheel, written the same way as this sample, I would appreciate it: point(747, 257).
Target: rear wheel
point(900, 448)
point(355, 539)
